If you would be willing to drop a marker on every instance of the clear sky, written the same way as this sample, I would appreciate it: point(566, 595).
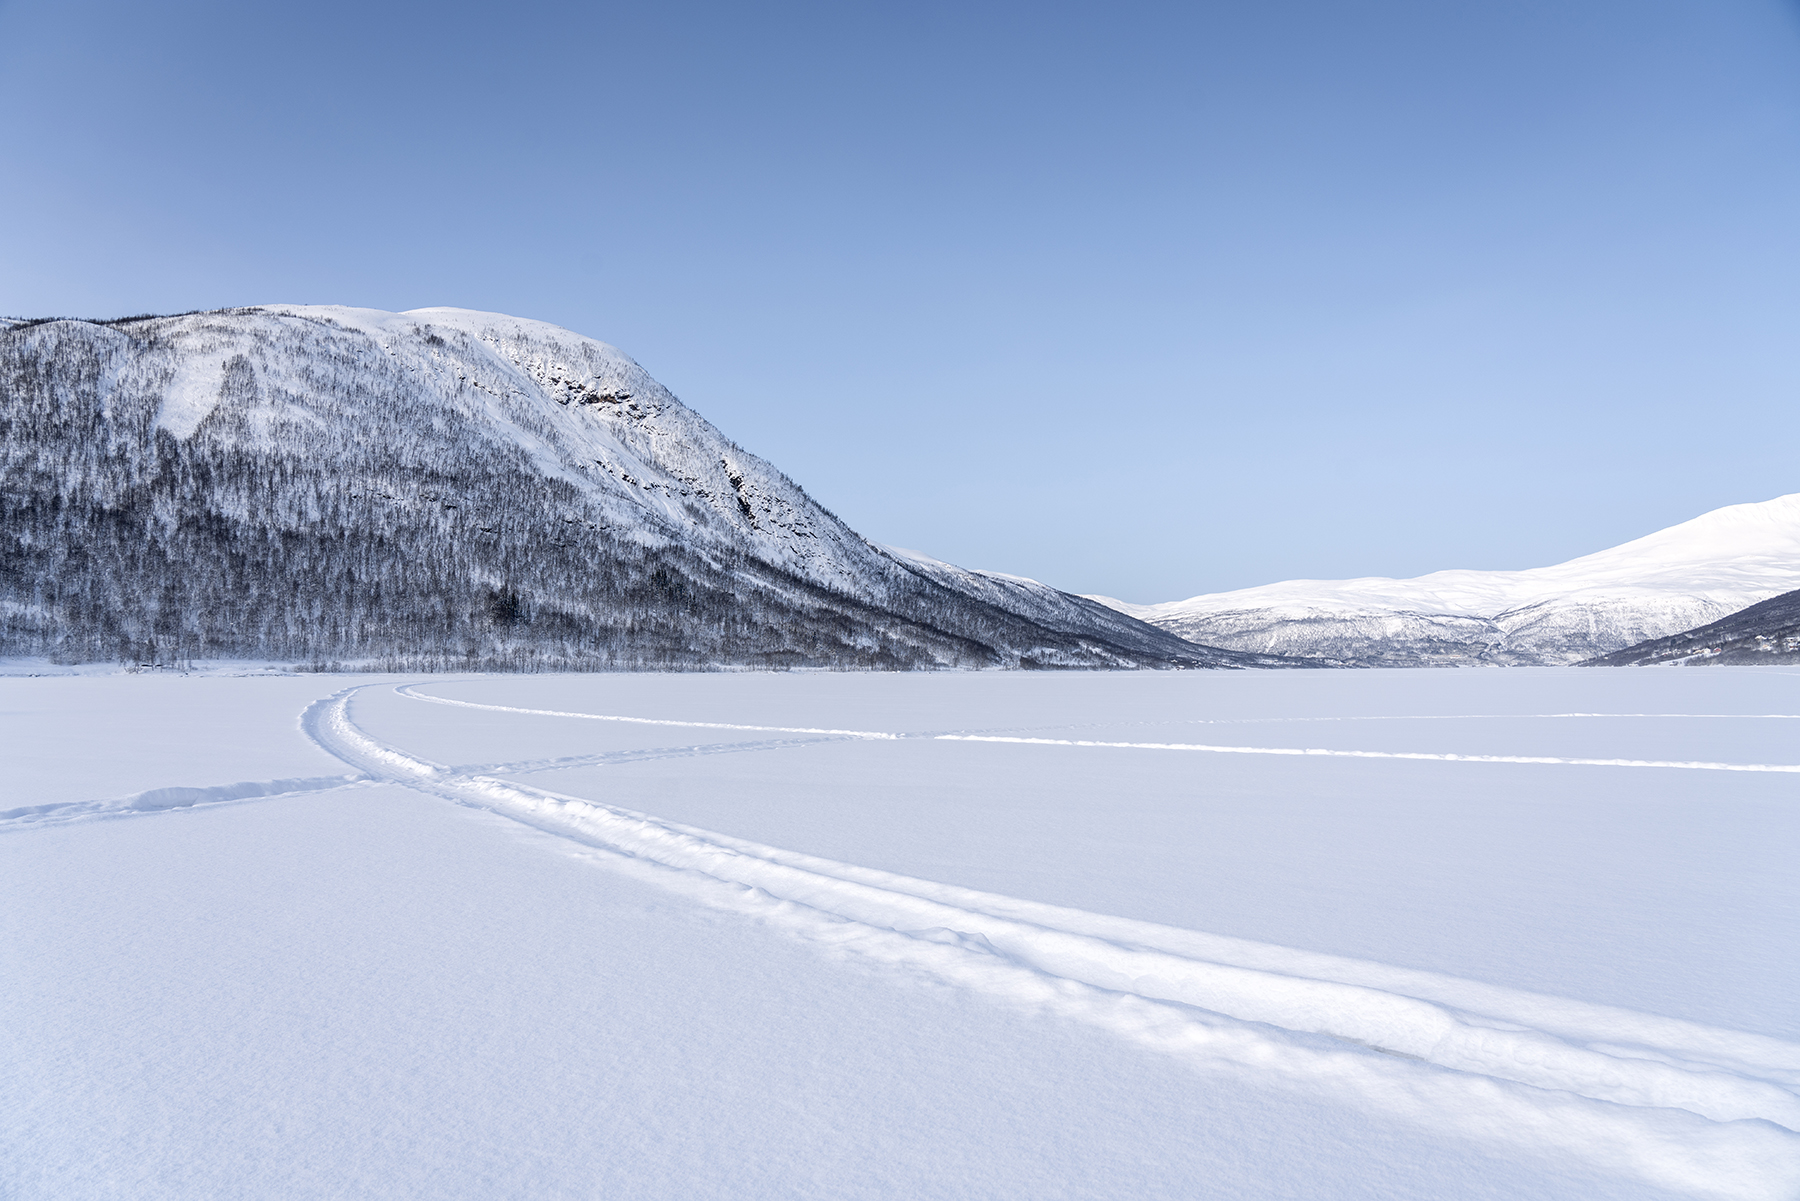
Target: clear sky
point(1136, 298)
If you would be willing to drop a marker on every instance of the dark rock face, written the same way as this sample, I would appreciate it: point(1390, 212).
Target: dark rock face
point(1766, 632)
point(449, 489)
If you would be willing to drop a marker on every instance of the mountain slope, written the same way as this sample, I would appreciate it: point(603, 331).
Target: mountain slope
point(1061, 611)
point(444, 487)
point(1669, 581)
point(1766, 632)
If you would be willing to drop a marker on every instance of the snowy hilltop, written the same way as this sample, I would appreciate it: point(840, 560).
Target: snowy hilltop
point(1673, 580)
point(1766, 632)
point(449, 488)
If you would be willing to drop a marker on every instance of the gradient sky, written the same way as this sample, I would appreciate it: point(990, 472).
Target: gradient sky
point(1141, 299)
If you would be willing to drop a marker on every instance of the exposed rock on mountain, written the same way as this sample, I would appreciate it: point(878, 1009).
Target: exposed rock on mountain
point(1766, 632)
point(449, 488)
point(1669, 581)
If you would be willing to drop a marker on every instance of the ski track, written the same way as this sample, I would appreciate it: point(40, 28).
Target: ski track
point(526, 766)
point(1703, 1110)
point(408, 691)
point(411, 692)
point(1444, 757)
point(160, 800)
point(1247, 721)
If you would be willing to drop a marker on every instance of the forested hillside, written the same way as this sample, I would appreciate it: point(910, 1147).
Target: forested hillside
point(1763, 633)
point(447, 489)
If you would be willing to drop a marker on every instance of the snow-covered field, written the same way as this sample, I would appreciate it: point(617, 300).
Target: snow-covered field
point(1496, 934)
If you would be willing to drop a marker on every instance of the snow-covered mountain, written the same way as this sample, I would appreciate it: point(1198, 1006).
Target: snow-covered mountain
point(1766, 632)
point(450, 487)
point(1673, 580)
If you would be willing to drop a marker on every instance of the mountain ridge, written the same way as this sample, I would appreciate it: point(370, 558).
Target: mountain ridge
point(453, 488)
point(1767, 632)
point(1671, 580)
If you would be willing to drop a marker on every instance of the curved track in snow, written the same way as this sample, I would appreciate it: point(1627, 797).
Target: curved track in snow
point(1676, 1103)
point(411, 692)
point(1441, 757)
point(161, 800)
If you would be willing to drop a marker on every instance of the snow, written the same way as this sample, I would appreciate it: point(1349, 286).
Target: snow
point(194, 392)
point(1742, 550)
point(532, 449)
point(832, 935)
point(922, 559)
point(492, 369)
point(1666, 582)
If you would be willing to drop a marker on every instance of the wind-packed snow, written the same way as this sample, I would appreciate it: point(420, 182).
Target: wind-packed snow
point(1248, 935)
point(1673, 580)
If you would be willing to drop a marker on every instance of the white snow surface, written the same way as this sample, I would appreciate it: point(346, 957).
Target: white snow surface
point(1673, 580)
point(1253, 935)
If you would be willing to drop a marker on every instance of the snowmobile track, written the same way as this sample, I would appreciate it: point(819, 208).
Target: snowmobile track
point(1677, 1103)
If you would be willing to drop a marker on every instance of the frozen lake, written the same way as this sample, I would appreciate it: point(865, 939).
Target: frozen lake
point(1520, 933)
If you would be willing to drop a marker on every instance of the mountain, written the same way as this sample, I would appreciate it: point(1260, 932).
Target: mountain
point(1655, 586)
point(1766, 632)
point(446, 488)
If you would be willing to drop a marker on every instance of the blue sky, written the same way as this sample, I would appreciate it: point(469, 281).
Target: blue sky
point(1141, 299)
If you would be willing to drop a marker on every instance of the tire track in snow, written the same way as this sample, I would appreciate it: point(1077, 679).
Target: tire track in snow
point(410, 691)
point(161, 800)
point(1443, 757)
point(1687, 1106)
point(1246, 721)
point(603, 758)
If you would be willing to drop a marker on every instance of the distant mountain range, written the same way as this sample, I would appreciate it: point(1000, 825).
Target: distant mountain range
point(1656, 586)
point(1766, 632)
point(445, 488)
